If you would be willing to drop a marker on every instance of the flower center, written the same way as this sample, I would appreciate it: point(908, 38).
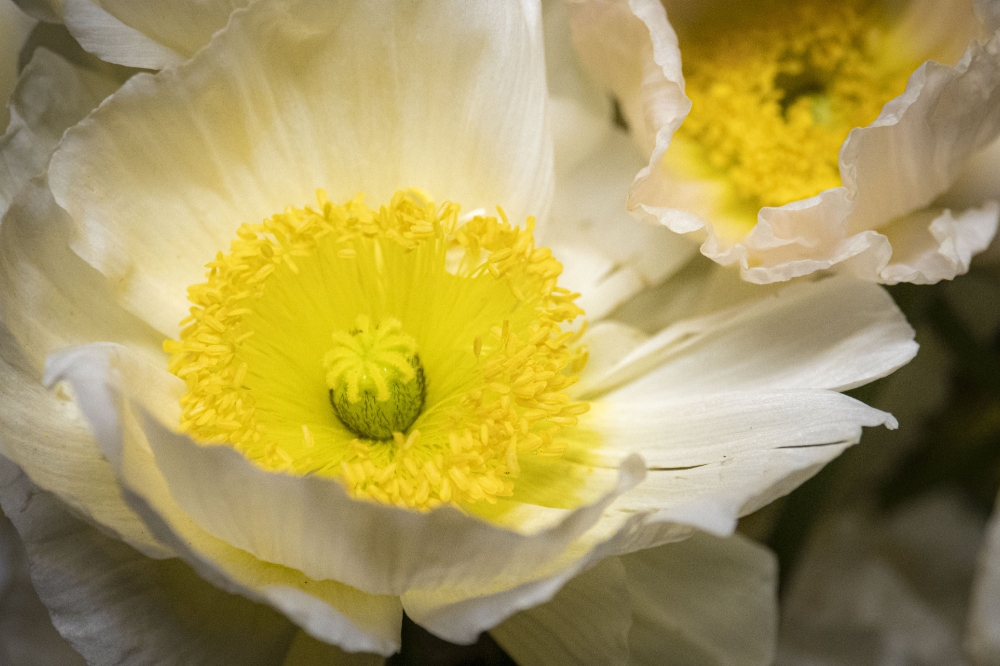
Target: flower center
point(375, 377)
point(776, 92)
point(329, 306)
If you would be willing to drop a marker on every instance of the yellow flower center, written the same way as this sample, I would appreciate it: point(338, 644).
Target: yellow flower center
point(775, 92)
point(417, 357)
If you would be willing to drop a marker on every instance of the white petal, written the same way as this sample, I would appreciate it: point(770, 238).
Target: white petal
point(705, 601)
point(281, 103)
point(982, 640)
point(117, 607)
point(27, 636)
point(587, 622)
point(326, 609)
point(989, 13)
point(104, 35)
point(834, 334)
point(49, 297)
point(42, 10)
point(713, 497)
point(589, 219)
point(45, 434)
point(672, 432)
point(579, 113)
point(14, 28)
point(934, 245)
point(631, 50)
point(51, 95)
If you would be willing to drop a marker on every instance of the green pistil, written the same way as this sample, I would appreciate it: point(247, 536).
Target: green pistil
point(376, 381)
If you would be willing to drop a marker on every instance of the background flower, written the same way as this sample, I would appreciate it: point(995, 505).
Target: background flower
point(893, 219)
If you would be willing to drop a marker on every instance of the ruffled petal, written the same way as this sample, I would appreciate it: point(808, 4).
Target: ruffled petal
point(933, 245)
point(281, 103)
point(705, 601)
point(103, 34)
point(116, 606)
point(326, 609)
point(630, 50)
point(587, 622)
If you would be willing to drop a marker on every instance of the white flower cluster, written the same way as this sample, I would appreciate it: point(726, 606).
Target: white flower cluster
point(586, 472)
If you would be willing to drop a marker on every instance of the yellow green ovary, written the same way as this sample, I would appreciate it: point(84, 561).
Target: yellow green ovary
point(356, 301)
point(775, 91)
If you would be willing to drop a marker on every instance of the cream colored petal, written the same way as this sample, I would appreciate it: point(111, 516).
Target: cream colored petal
point(933, 244)
point(49, 297)
point(116, 606)
point(988, 12)
point(629, 48)
point(51, 95)
point(14, 28)
point(307, 651)
point(27, 637)
point(42, 10)
point(103, 34)
point(298, 95)
point(45, 434)
point(982, 640)
point(579, 113)
point(608, 255)
point(326, 609)
point(587, 622)
point(705, 601)
point(834, 334)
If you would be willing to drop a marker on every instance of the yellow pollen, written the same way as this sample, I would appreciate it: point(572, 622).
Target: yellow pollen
point(775, 93)
point(332, 305)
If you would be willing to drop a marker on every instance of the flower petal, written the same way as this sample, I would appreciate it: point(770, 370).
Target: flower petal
point(608, 255)
point(14, 28)
point(50, 96)
point(587, 622)
point(835, 334)
point(704, 601)
point(326, 609)
point(933, 245)
point(27, 636)
point(630, 50)
point(103, 34)
point(45, 434)
point(279, 104)
point(117, 607)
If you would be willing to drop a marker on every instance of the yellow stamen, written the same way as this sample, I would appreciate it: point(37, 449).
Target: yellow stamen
point(478, 300)
point(775, 92)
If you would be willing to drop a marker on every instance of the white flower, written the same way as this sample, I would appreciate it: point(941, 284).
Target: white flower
point(688, 429)
point(765, 169)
